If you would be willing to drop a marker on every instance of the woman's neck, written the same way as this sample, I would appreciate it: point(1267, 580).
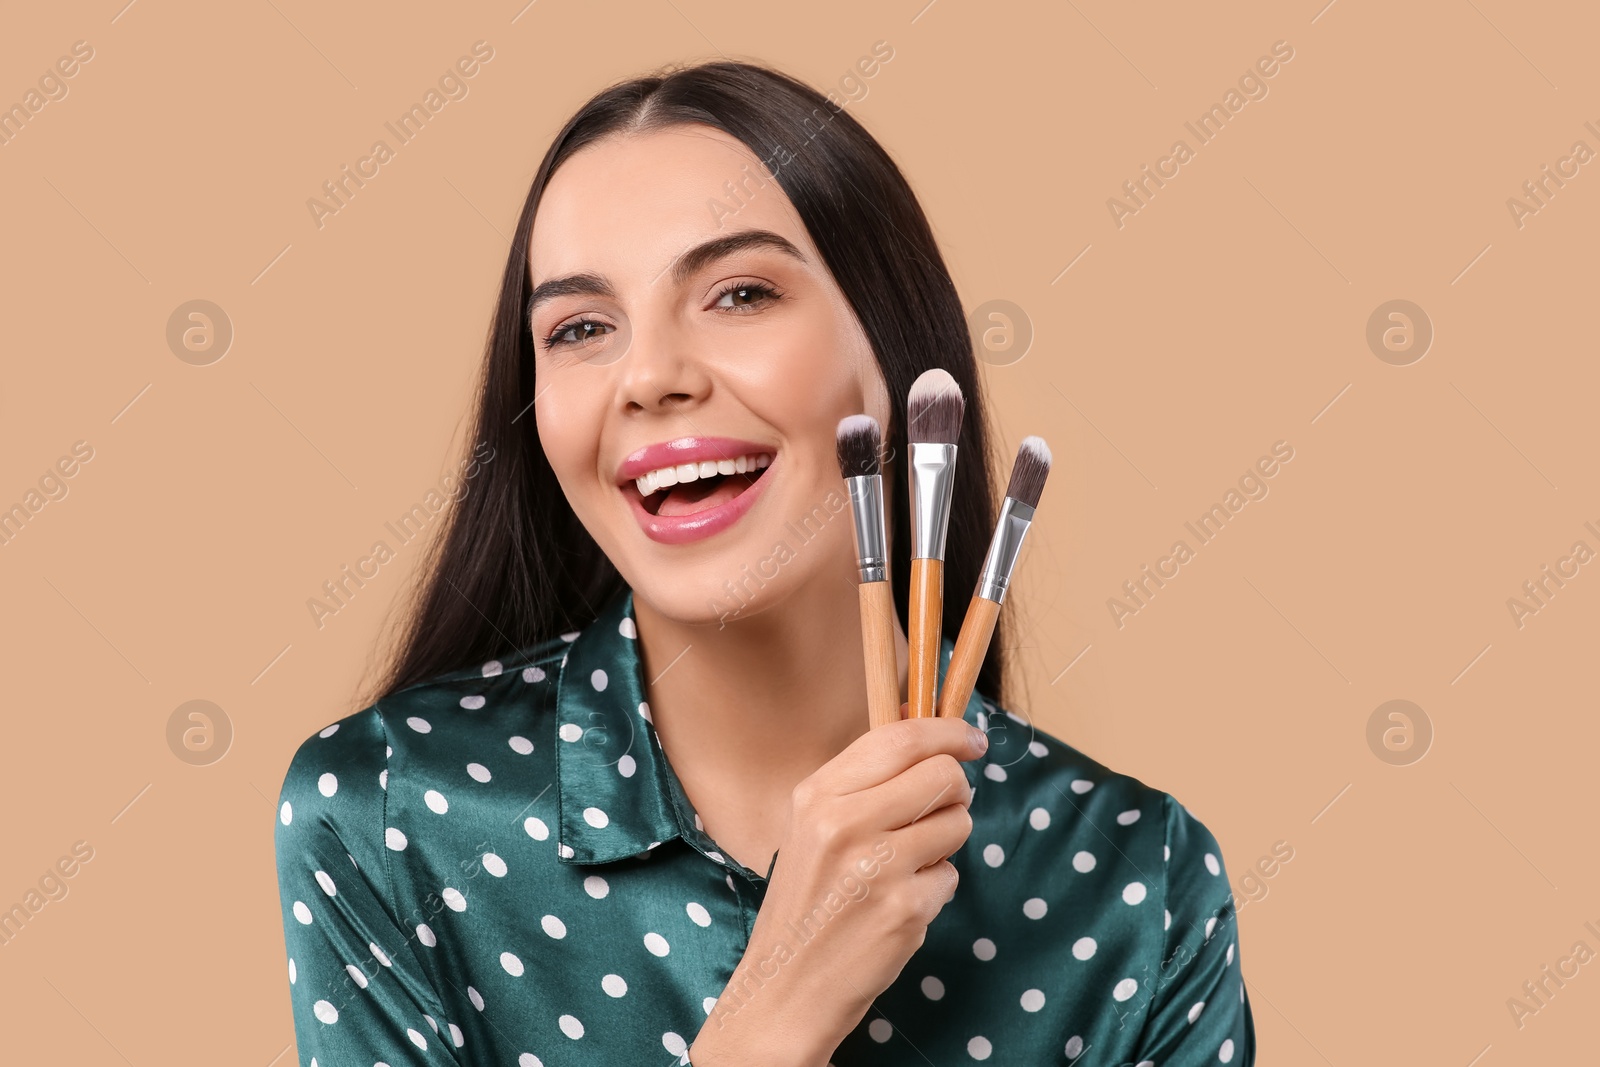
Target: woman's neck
point(747, 709)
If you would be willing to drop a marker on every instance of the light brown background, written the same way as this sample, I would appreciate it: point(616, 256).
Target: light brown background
point(1228, 314)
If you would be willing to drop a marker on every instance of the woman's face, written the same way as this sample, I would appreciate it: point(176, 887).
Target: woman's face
point(655, 351)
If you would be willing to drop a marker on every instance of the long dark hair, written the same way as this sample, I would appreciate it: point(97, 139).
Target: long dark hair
point(513, 566)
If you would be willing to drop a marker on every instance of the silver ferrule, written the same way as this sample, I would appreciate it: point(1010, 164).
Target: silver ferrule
point(866, 508)
point(933, 479)
point(1015, 518)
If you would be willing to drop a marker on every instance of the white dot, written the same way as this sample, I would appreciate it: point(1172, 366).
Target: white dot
point(357, 975)
point(994, 855)
point(1128, 818)
point(326, 883)
point(1194, 1012)
point(1038, 749)
point(564, 851)
point(698, 914)
point(285, 813)
point(1225, 1053)
point(553, 926)
point(1166, 852)
point(536, 828)
point(472, 702)
point(626, 766)
point(1210, 925)
point(598, 680)
point(1167, 922)
point(455, 1035)
point(1082, 785)
point(416, 1038)
point(494, 865)
point(327, 1013)
point(1038, 818)
point(1125, 989)
point(983, 948)
point(880, 1030)
point(1212, 865)
point(492, 668)
point(569, 637)
point(453, 899)
point(329, 731)
point(436, 801)
point(420, 725)
point(476, 998)
point(596, 886)
point(571, 1026)
point(1084, 947)
point(1074, 1047)
point(291, 970)
point(570, 731)
point(425, 935)
point(513, 966)
point(979, 1048)
point(932, 988)
point(1083, 862)
point(378, 954)
point(1032, 999)
point(644, 710)
point(1133, 892)
point(302, 912)
point(595, 817)
point(614, 985)
point(1034, 907)
point(1229, 958)
point(327, 785)
point(708, 1004)
point(520, 745)
point(383, 778)
point(674, 1043)
point(656, 944)
point(533, 674)
point(626, 627)
point(994, 772)
point(479, 772)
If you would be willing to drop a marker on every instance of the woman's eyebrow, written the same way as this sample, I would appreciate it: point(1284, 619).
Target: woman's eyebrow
point(686, 263)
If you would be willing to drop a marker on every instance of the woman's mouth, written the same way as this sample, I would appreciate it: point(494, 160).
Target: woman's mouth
point(690, 501)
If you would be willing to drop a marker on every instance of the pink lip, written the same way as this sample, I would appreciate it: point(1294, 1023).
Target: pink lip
point(681, 529)
point(686, 450)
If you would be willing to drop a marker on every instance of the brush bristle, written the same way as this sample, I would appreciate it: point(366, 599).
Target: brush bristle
point(860, 441)
point(1030, 470)
point(934, 407)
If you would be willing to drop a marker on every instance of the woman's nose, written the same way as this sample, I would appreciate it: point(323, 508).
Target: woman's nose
point(660, 372)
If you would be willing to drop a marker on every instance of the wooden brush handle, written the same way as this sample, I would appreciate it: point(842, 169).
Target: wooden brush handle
point(972, 644)
point(927, 604)
point(877, 641)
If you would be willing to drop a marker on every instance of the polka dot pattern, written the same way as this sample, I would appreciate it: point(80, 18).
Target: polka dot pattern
point(1077, 885)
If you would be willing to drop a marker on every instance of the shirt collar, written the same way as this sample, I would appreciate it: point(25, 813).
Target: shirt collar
point(618, 795)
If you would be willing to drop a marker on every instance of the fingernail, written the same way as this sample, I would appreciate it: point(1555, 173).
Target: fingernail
point(979, 739)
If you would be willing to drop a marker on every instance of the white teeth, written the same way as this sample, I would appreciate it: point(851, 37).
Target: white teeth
point(687, 472)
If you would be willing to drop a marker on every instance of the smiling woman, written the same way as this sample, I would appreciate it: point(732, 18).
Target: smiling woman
point(554, 833)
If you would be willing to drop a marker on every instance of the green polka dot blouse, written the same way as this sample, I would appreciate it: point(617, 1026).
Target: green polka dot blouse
point(499, 867)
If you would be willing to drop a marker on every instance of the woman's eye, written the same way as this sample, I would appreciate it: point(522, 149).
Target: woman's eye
point(585, 330)
point(745, 296)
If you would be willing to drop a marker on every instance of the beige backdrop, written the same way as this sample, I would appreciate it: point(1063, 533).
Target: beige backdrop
point(1443, 851)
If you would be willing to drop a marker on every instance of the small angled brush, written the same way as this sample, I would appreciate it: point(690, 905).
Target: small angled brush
point(860, 445)
point(934, 408)
point(1028, 474)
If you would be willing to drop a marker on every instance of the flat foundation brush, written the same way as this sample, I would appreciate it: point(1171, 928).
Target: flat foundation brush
point(1028, 474)
point(860, 445)
point(934, 407)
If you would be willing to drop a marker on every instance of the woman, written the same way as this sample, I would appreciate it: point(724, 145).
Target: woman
point(617, 801)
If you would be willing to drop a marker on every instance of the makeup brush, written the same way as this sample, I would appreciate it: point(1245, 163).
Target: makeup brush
point(933, 417)
point(1028, 473)
point(860, 444)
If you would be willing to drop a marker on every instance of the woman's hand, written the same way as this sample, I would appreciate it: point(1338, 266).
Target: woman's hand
point(861, 872)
